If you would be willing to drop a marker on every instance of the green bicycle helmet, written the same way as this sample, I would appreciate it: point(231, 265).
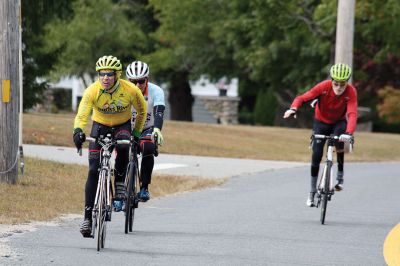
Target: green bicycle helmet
point(340, 72)
point(108, 62)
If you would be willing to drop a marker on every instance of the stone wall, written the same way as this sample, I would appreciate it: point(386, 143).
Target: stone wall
point(224, 108)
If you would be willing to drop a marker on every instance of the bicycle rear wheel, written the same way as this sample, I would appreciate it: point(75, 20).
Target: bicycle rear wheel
point(325, 192)
point(135, 195)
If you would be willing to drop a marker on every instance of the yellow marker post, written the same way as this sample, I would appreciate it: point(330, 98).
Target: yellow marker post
point(5, 91)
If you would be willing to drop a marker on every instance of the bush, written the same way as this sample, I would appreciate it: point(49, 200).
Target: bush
point(265, 108)
point(62, 99)
point(389, 108)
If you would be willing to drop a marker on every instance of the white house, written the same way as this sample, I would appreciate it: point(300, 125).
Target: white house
point(200, 87)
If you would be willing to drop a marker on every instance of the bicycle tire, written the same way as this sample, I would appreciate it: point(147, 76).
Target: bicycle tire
point(325, 191)
point(135, 196)
point(99, 223)
point(129, 197)
point(104, 227)
point(101, 215)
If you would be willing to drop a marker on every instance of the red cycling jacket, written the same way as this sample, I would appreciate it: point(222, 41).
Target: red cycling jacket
point(332, 108)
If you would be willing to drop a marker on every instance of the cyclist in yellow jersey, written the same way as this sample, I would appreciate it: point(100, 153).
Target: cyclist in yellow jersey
point(110, 100)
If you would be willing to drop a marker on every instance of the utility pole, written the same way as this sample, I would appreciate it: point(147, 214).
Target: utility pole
point(9, 81)
point(345, 32)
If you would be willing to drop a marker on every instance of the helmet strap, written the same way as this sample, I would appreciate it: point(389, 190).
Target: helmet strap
point(113, 88)
point(146, 91)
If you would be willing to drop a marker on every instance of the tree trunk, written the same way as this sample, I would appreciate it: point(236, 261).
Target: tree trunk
point(180, 97)
point(9, 76)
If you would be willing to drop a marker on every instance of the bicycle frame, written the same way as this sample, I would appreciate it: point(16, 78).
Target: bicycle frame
point(105, 167)
point(103, 199)
point(328, 166)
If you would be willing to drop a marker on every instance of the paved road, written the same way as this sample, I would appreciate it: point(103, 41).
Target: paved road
point(198, 166)
point(253, 219)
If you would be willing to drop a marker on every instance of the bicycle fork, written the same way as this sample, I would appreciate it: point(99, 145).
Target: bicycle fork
point(325, 174)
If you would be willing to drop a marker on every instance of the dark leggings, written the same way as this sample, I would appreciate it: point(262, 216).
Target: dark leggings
point(318, 144)
point(148, 150)
point(121, 160)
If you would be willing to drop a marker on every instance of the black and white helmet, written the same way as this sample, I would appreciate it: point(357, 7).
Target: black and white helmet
point(137, 70)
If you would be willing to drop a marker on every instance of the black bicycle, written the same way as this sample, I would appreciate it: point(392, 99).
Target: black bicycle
point(131, 186)
point(325, 188)
point(102, 208)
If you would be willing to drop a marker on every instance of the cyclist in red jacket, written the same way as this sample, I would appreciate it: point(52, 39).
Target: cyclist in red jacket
point(335, 113)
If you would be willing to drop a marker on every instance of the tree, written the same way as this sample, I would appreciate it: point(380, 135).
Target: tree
point(377, 54)
point(257, 41)
point(281, 46)
point(186, 48)
point(97, 28)
point(36, 62)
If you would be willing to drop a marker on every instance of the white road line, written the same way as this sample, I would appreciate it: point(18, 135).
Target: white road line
point(163, 166)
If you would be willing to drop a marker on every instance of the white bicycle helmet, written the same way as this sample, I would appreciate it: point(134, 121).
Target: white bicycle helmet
point(137, 70)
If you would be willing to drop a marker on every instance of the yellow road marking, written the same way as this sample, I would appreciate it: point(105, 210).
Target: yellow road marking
point(391, 247)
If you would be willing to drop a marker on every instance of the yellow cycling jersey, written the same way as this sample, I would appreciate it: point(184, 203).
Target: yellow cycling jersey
point(112, 109)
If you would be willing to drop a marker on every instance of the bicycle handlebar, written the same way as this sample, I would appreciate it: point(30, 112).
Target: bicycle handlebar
point(319, 136)
point(109, 142)
point(118, 141)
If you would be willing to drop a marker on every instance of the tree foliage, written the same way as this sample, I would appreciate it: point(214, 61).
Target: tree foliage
point(279, 47)
point(270, 45)
point(264, 110)
point(36, 62)
point(389, 108)
point(97, 28)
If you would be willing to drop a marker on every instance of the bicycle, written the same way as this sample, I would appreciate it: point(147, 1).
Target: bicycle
point(102, 208)
point(132, 184)
point(325, 187)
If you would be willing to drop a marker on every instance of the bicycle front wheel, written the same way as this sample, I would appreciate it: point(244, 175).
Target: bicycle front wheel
point(325, 192)
point(101, 214)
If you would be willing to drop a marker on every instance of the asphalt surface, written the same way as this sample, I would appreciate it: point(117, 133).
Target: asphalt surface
point(257, 218)
point(198, 166)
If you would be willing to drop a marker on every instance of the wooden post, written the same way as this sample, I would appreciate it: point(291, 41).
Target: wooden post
point(9, 100)
point(345, 32)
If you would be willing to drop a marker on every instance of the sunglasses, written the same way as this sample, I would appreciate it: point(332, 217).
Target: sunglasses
point(108, 74)
point(136, 81)
point(339, 83)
